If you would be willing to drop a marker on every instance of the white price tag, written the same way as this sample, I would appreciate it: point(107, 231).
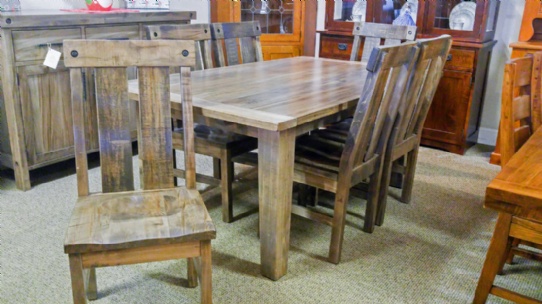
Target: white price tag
point(52, 58)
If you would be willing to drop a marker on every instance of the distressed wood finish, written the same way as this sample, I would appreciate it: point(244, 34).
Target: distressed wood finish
point(35, 105)
point(214, 142)
point(123, 226)
point(230, 38)
point(372, 35)
point(337, 165)
point(405, 138)
point(286, 97)
point(516, 193)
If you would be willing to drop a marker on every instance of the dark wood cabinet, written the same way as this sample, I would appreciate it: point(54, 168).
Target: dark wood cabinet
point(453, 120)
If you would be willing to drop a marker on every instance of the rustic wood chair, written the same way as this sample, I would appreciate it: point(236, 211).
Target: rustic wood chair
point(210, 141)
point(121, 225)
point(229, 38)
point(520, 118)
point(369, 35)
point(324, 163)
point(405, 138)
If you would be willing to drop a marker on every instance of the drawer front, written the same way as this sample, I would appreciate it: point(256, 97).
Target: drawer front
point(113, 32)
point(460, 60)
point(336, 47)
point(33, 45)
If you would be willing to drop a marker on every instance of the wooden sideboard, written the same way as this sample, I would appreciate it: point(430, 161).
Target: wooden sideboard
point(35, 111)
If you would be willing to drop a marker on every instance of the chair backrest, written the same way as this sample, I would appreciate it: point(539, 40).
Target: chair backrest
point(110, 60)
point(421, 89)
point(201, 33)
point(372, 35)
point(229, 38)
point(390, 68)
point(520, 104)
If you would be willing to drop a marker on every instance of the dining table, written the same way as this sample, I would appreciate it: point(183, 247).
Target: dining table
point(274, 101)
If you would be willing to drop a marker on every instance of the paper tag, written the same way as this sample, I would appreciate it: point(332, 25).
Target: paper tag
point(52, 58)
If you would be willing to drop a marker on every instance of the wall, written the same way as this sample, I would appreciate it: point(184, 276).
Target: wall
point(201, 7)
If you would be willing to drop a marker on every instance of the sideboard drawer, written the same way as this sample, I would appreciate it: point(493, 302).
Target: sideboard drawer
point(460, 60)
point(335, 47)
point(113, 32)
point(33, 45)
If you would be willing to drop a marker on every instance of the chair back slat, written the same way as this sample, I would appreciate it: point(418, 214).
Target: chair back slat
point(201, 33)
point(389, 70)
point(429, 71)
point(520, 107)
point(79, 130)
point(155, 142)
point(372, 35)
point(155, 146)
point(230, 38)
point(114, 129)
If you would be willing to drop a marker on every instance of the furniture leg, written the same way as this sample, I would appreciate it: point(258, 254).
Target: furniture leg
point(92, 287)
point(206, 281)
point(191, 273)
point(408, 181)
point(78, 279)
point(275, 175)
point(383, 191)
point(372, 203)
point(226, 179)
point(337, 230)
point(216, 167)
point(495, 253)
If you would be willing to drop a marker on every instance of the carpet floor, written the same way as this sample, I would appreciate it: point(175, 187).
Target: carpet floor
point(429, 251)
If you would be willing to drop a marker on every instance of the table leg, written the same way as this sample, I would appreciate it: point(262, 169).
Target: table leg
point(275, 173)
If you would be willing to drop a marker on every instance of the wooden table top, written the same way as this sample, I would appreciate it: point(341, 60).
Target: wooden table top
point(273, 95)
point(517, 189)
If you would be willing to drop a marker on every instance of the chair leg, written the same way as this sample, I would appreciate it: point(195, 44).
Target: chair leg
point(226, 179)
point(216, 168)
point(78, 279)
point(206, 273)
point(495, 254)
point(92, 287)
point(372, 203)
point(191, 273)
point(339, 221)
point(383, 189)
point(408, 181)
point(510, 257)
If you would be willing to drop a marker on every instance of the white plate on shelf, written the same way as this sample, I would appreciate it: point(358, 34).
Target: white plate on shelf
point(462, 16)
point(413, 6)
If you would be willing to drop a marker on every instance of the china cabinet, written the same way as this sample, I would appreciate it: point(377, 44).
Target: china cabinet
point(453, 120)
point(35, 104)
point(282, 23)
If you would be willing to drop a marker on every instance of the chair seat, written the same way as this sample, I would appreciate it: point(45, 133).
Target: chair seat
point(109, 221)
point(317, 151)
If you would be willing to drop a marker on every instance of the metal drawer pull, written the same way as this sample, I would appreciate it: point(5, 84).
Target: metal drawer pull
point(50, 44)
point(449, 58)
point(342, 46)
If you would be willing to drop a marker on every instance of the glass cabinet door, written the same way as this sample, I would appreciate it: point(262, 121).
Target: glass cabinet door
point(398, 12)
point(275, 16)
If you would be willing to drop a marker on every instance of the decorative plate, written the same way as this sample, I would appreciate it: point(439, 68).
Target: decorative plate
point(412, 6)
point(462, 16)
point(359, 10)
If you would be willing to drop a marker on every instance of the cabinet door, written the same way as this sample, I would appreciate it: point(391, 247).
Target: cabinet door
point(445, 126)
point(47, 114)
point(281, 21)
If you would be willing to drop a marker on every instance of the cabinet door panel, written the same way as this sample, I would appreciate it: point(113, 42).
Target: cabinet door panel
point(278, 52)
point(446, 119)
point(46, 104)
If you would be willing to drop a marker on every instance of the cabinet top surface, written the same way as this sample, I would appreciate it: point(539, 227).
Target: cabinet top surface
point(44, 18)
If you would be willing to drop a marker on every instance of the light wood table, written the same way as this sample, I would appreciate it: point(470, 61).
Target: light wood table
point(274, 101)
point(516, 193)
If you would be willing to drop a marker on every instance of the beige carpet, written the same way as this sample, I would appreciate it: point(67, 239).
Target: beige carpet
point(430, 251)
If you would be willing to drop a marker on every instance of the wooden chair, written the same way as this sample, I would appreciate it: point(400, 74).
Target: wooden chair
point(121, 225)
point(520, 118)
point(210, 141)
point(324, 163)
point(405, 138)
point(229, 38)
point(371, 34)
